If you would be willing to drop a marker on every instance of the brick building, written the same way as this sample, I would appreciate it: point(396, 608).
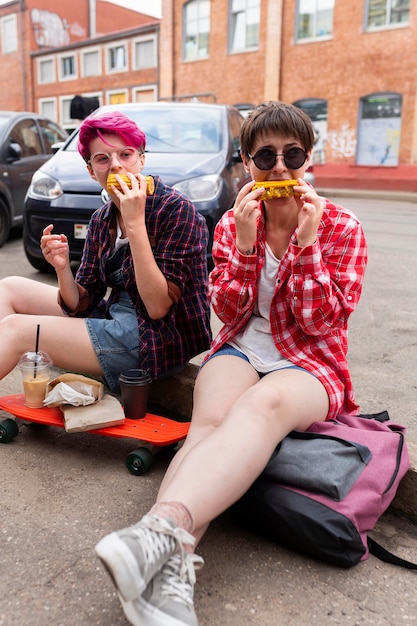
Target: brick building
point(344, 62)
point(55, 51)
point(348, 64)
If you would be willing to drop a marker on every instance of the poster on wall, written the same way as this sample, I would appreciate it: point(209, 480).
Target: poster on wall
point(379, 131)
point(316, 109)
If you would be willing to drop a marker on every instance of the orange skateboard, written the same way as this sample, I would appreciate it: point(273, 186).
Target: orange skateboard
point(153, 429)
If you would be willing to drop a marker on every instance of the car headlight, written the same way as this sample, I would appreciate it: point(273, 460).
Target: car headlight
point(44, 187)
point(201, 188)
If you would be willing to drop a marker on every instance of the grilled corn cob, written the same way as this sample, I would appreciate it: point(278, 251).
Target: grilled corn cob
point(111, 180)
point(276, 188)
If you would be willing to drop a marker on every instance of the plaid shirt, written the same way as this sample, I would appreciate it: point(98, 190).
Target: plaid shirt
point(316, 290)
point(178, 235)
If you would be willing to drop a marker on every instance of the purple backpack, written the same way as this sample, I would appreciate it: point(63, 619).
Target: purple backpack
point(323, 490)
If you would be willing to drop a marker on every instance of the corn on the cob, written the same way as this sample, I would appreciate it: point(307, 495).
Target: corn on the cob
point(111, 180)
point(276, 188)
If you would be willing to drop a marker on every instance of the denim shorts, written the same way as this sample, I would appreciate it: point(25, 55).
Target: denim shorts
point(116, 340)
point(229, 350)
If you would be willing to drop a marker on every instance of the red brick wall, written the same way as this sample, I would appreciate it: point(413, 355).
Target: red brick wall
point(232, 77)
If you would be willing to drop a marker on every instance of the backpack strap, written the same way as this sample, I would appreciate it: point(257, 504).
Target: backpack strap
point(388, 557)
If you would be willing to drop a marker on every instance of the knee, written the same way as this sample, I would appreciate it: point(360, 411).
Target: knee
point(9, 325)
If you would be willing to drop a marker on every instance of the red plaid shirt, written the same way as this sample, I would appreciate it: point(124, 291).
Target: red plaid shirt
point(316, 290)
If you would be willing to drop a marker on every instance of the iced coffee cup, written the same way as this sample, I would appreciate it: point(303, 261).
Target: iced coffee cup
point(35, 368)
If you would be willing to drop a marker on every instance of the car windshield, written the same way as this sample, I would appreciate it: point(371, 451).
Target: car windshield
point(176, 130)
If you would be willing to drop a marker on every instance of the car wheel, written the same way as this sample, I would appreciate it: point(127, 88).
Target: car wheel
point(4, 223)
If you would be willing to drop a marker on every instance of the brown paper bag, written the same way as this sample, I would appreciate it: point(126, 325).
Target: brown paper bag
point(75, 381)
point(106, 412)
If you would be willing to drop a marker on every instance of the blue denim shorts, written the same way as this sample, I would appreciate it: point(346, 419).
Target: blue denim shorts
point(227, 349)
point(116, 340)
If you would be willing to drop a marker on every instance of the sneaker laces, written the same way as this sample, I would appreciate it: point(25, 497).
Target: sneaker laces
point(178, 577)
point(156, 534)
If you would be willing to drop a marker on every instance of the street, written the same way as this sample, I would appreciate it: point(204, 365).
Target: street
point(61, 493)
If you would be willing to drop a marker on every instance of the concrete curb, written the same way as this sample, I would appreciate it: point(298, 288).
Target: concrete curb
point(175, 395)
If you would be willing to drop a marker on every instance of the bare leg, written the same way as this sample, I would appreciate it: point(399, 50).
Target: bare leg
point(26, 303)
point(230, 446)
point(66, 340)
point(22, 295)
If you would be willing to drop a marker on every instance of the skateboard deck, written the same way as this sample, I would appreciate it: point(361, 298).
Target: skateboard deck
point(152, 429)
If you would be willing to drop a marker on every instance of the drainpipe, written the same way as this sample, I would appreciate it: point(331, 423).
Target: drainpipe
point(92, 17)
point(273, 61)
point(23, 57)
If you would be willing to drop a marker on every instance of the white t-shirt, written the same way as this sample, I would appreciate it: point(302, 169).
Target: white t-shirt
point(255, 340)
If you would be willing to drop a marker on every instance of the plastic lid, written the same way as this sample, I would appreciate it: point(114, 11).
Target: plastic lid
point(30, 358)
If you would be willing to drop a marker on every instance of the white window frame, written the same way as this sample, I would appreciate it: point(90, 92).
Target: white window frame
point(142, 40)
point(66, 121)
point(84, 53)
point(9, 38)
point(111, 92)
point(52, 116)
point(40, 61)
point(149, 88)
point(240, 20)
point(199, 51)
point(316, 36)
point(116, 70)
point(61, 75)
point(388, 25)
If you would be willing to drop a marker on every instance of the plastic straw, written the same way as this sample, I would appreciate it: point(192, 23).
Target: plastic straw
point(36, 351)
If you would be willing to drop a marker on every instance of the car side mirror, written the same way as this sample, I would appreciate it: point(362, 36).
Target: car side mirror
point(56, 146)
point(14, 152)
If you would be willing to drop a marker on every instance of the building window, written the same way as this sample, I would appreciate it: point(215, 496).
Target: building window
point(387, 13)
point(116, 58)
point(145, 94)
point(316, 109)
point(244, 25)
point(46, 71)
point(67, 67)
point(379, 129)
point(196, 17)
point(91, 63)
point(314, 19)
point(47, 108)
point(117, 97)
point(144, 51)
point(9, 37)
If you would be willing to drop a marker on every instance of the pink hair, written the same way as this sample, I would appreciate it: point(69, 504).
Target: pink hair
point(109, 123)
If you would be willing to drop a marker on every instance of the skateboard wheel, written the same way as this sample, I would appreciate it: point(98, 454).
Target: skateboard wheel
point(8, 430)
point(139, 461)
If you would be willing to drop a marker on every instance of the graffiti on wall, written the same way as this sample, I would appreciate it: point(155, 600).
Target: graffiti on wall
point(52, 31)
point(342, 142)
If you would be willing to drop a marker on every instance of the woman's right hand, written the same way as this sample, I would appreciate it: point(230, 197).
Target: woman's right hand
point(55, 248)
point(246, 212)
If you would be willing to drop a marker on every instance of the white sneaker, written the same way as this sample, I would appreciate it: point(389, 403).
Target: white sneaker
point(168, 598)
point(134, 555)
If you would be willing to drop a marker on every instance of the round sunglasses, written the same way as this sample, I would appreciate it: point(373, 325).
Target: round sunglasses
point(265, 158)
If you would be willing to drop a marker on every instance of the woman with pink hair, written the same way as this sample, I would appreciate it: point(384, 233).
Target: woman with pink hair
point(139, 297)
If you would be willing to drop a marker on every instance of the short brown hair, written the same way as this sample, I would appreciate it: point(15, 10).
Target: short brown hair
point(280, 118)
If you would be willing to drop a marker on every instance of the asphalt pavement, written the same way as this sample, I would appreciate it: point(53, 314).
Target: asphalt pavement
point(61, 493)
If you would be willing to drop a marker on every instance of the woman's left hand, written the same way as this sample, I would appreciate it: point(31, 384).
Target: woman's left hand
point(310, 211)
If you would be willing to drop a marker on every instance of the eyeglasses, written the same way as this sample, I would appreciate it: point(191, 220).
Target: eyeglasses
point(265, 158)
point(125, 156)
